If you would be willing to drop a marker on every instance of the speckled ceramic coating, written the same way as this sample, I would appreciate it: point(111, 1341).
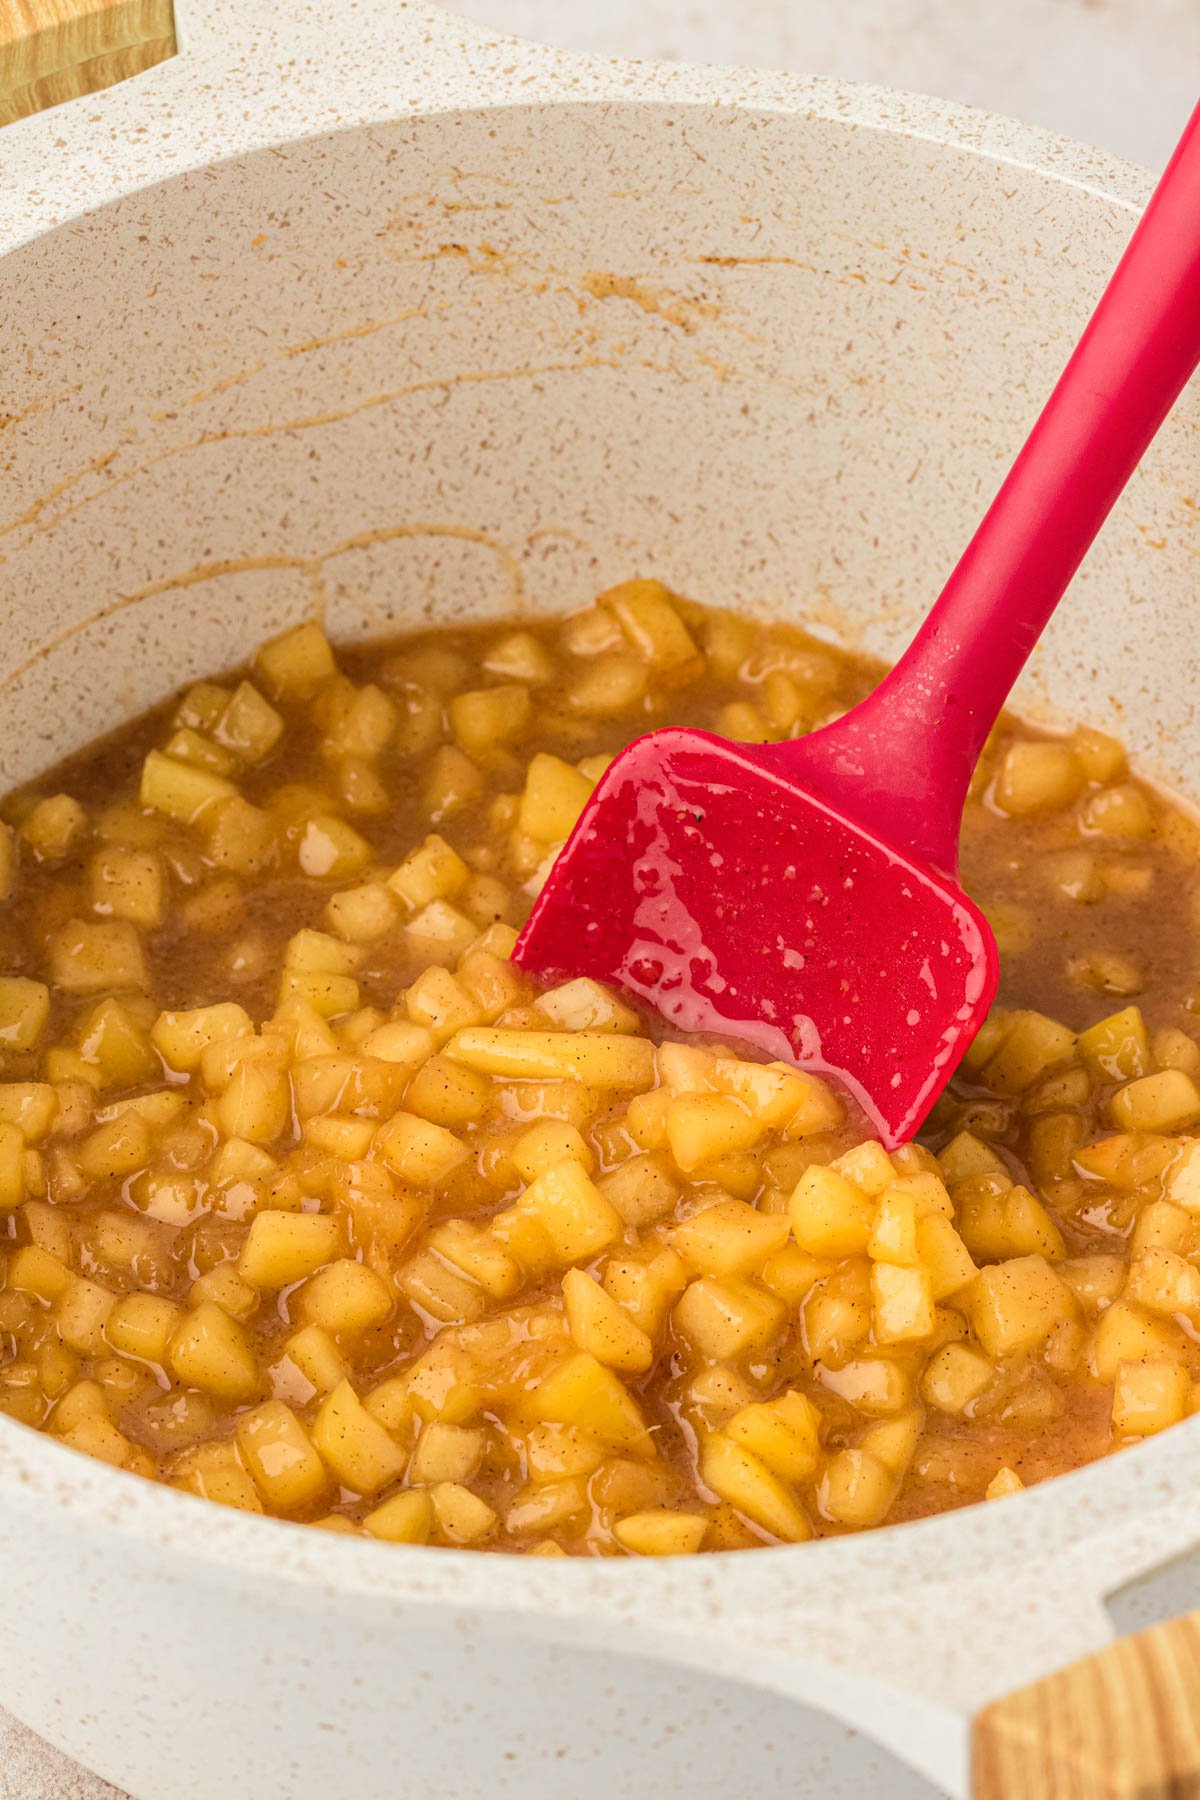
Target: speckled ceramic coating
point(385, 316)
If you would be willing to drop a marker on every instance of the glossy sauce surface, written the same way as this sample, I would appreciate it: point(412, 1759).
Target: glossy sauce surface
point(554, 1287)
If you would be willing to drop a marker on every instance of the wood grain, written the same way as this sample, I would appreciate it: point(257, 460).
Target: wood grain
point(1121, 1725)
point(54, 50)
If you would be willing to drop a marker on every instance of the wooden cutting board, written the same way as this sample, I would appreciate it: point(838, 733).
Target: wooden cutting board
point(53, 50)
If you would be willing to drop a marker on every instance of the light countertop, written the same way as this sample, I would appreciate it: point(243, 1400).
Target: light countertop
point(1120, 74)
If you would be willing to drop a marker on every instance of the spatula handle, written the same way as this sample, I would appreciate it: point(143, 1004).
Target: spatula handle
point(904, 758)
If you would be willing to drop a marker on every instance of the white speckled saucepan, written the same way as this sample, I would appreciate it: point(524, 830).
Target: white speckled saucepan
point(357, 307)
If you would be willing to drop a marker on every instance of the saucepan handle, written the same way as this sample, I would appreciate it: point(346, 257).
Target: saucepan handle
point(50, 53)
point(1125, 1721)
point(986, 1658)
point(58, 50)
point(150, 95)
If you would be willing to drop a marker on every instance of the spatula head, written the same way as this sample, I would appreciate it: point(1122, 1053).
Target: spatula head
point(706, 884)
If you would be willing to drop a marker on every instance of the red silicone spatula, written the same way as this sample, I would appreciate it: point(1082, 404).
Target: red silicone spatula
point(803, 897)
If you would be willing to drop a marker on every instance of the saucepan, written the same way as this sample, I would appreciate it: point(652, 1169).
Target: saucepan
point(355, 307)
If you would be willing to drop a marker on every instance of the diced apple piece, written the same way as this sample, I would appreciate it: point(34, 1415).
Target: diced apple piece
point(446, 1453)
point(641, 1189)
point(783, 1433)
point(32, 1106)
point(358, 1450)
point(330, 849)
point(955, 1378)
point(1015, 1305)
point(830, 1216)
point(280, 1456)
point(283, 1247)
point(33, 1270)
point(856, 1489)
point(555, 795)
point(967, 1155)
point(737, 1476)
point(1122, 811)
point(256, 1104)
point(182, 1037)
point(903, 1303)
point(24, 1011)
point(868, 1166)
point(599, 1326)
point(479, 1255)
point(1163, 1282)
point(599, 1059)
point(248, 724)
point(1117, 1048)
point(729, 1238)
point(582, 1392)
point(646, 1287)
point(548, 1142)
point(488, 718)
point(945, 1256)
point(1032, 1044)
point(1148, 1396)
point(577, 1218)
point(462, 1517)
point(90, 958)
point(418, 1150)
point(661, 1532)
point(1163, 1102)
point(440, 1289)
point(652, 627)
point(723, 1319)
point(210, 1350)
point(406, 1518)
point(1037, 776)
point(345, 1296)
point(295, 662)
point(994, 1226)
point(703, 1127)
point(893, 1236)
point(1126, 1334)
point(181, 791)
point(584, 1005)
point(142, 1325)
point(317, 1357)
